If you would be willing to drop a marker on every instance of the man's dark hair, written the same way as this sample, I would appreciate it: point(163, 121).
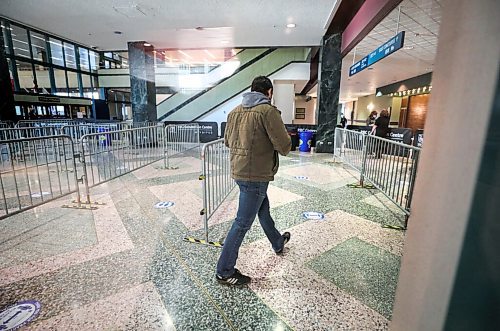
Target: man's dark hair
point(261, 84)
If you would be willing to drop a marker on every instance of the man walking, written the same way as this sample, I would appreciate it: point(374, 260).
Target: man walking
point(255, 135)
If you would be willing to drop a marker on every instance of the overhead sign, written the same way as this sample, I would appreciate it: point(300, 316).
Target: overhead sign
point(381, 52)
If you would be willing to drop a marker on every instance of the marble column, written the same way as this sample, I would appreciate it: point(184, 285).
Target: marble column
point(450, 271)
point(142, 82)
point(329, 89)
point(7, 109)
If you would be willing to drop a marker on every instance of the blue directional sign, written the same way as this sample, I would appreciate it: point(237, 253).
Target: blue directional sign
point(392, 45)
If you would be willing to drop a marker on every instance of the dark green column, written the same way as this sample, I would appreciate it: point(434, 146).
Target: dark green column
point(7, 109)
point(329, 90)
point(142, 82)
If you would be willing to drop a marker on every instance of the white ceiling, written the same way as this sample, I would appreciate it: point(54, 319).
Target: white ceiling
point(171, 24)
point(420, 19)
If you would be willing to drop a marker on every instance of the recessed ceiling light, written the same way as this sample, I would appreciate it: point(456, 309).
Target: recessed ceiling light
point(291, 25)
point(117, 32)
point(147, 44)
point(409, 47)
point(224, 42)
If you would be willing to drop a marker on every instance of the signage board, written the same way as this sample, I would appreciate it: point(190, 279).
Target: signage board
point(389, 47)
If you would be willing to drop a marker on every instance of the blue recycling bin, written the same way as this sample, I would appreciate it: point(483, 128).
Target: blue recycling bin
point(104, 139)
point(305, 140)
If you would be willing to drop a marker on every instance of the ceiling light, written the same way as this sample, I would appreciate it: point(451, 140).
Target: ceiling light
point(117, 32)
point(291, 25)
point(409, 47)
point(147, 44)
point(224, 42)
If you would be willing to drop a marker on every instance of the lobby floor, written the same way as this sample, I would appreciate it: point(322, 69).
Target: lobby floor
point(125, 266)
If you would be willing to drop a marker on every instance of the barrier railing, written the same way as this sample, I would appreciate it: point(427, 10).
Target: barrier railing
point(6, 124)
point(217, 182)
point(44, 123)
point(180, 140)
point(31, 132)
point(107, 155)
point(389, 166)
point(34, 171)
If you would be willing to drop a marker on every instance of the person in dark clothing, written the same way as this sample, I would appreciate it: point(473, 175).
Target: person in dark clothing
point(371, 118)
point(343, 121)
point(380, 129)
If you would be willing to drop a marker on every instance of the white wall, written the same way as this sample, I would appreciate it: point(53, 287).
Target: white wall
point(284, 100)
point(310, 107)
point(294, 71)
point(361, 112)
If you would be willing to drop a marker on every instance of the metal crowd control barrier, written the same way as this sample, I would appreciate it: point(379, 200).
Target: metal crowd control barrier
point(389, 166)
point(31, 132)
point(217, 184)
point(34, 171)
point(107, 155)
point(44, 123)
point(180, 139)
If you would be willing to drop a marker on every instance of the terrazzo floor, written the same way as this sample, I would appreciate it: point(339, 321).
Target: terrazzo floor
point(125, 266)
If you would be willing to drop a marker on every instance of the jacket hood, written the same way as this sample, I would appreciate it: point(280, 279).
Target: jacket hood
point(252, 99)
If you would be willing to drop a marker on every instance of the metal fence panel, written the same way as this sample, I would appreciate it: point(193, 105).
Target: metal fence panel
point(216, 178)
point(34, 171)
point(390, 166)
point(107, 155)
point(181, 140)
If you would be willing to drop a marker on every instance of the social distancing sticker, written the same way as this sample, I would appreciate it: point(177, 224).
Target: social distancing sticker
point(313, 215)
point(164, 204)
point(19, 315)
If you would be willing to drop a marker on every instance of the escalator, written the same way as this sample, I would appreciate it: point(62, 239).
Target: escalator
point(252, 63)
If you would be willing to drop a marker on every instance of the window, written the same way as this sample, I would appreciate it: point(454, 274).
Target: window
point(20, 41)
point(87, 88)
point(25, 76)
point(94, 61)
point(42, 79)
point(73, 86)
point(84, 59)
point(38, 47)
point(60, 77)
point(56, 51)
point(69, 55)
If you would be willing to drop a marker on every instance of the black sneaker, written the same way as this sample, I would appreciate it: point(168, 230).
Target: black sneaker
point(286, 238)
point(237, 279)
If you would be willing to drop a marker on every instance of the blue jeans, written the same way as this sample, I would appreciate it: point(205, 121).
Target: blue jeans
point(253, 201)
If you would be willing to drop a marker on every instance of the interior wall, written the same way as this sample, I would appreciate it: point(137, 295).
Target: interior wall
point(362, 112)
point(396, 110)
point(284, 100)
point(348, 108)
point(417, 111)
point(310, 108)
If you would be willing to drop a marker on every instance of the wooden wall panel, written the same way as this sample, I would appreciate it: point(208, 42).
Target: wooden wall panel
point(417, 111)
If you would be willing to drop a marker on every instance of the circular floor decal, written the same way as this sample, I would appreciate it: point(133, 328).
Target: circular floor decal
point(313, 215)
point(164, 204)
point(18, 315)
point(39, 195)
point(301, 177)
